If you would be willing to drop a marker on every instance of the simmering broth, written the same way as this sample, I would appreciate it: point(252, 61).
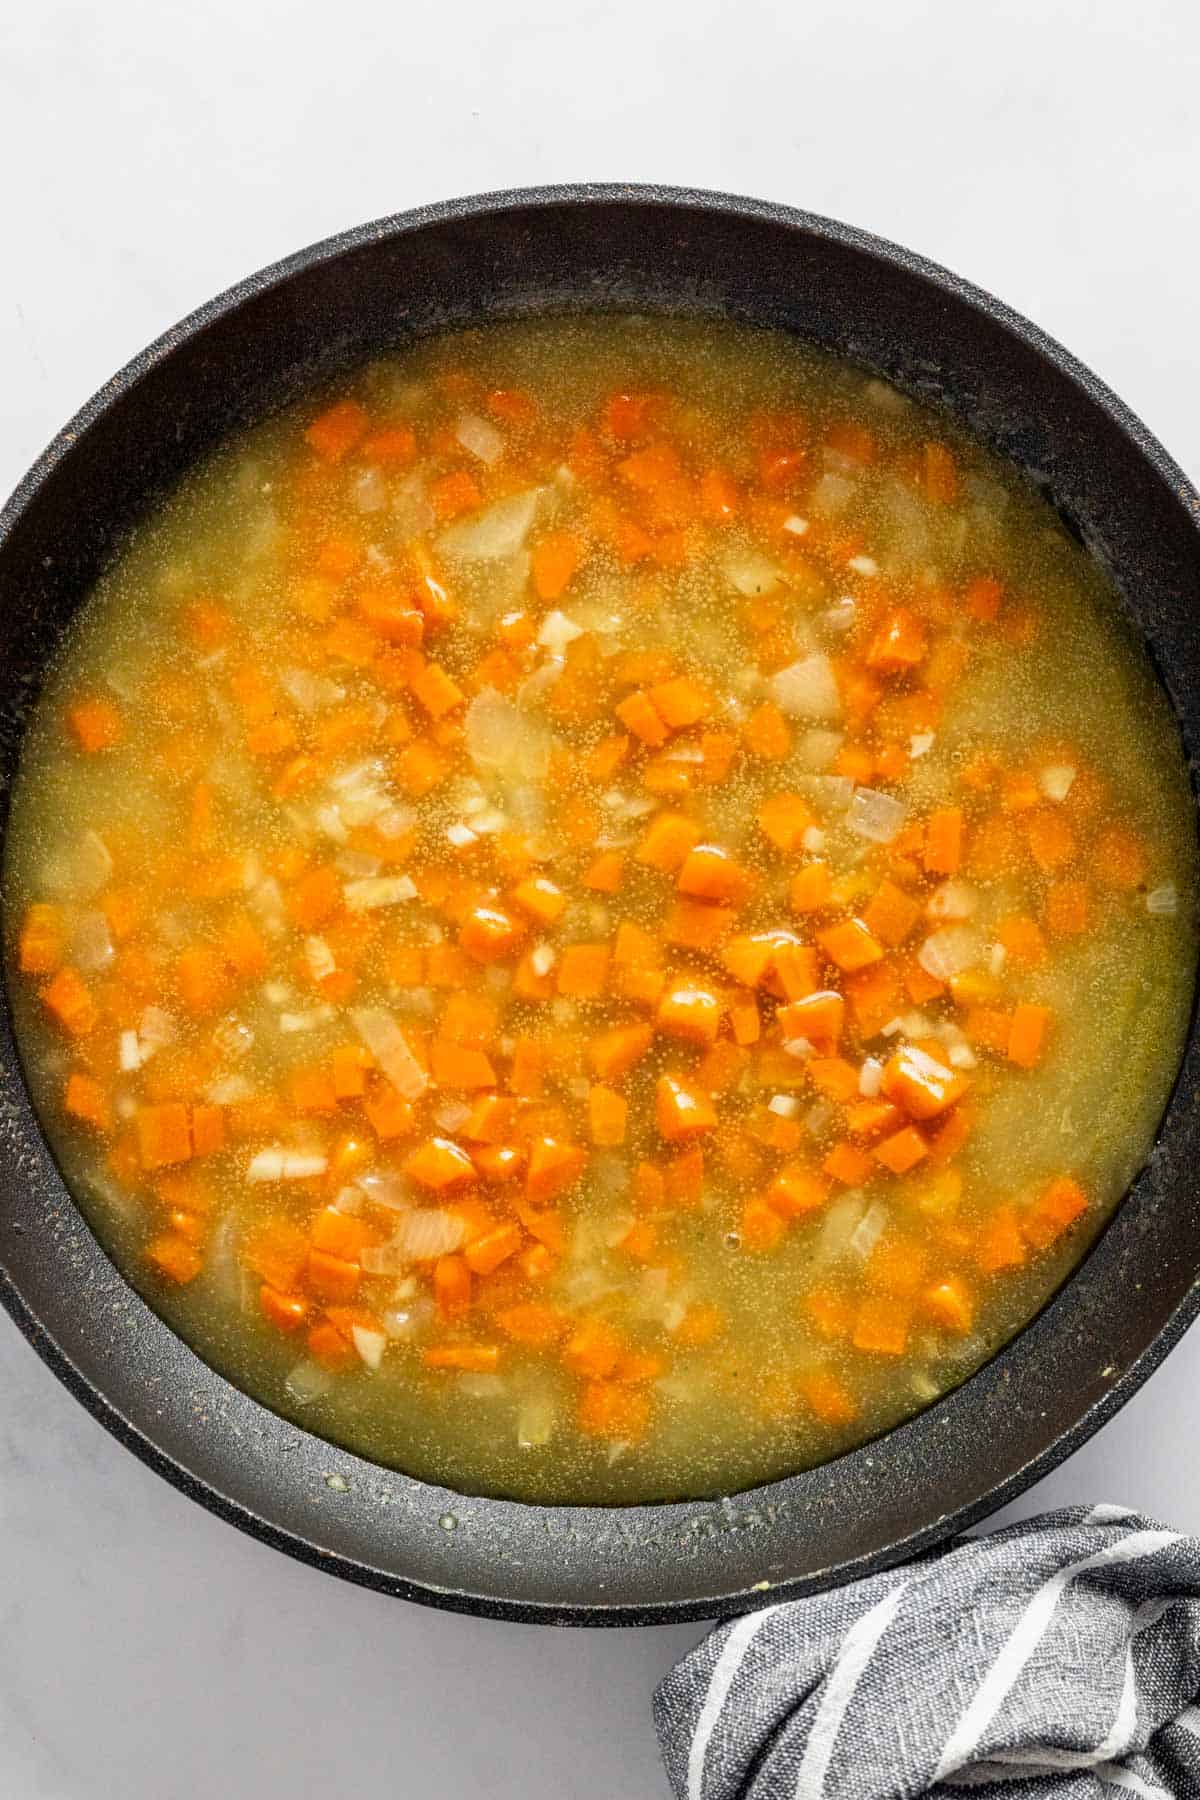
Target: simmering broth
point(602, 911)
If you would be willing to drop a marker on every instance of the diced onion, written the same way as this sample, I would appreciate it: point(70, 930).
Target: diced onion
point(308, 1381)
point(875, 815)
point(389, 1046)
point(795, 524)
point(949, 951)
point(868, 1231)
point(920, 744)
point(319, 957)
point(370, 1345)
point(498, 531)
point(1056, 780)
point(799, 1047)
point(129, 1052)
point(369, 490)
point(480, 437)
point(309, 691)
point(91, 943)
point(1163, 901)
point(751, 574)
point(785, 1106)
point(425, 1233)
point(557, 631)
point(504, 737)
point(887, 398)
point(535, 1421)
point(837, 1228)
point(280, 1163)
point(379, 890)
point(156, 1029)
point(831, 493)
point(953, 900)
point(817, 748)
point(807, 689)
point(870, 1078)
point(383, 1187)
point(863, 565)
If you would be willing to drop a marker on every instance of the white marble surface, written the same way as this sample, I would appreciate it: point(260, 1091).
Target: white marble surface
point(154, 153)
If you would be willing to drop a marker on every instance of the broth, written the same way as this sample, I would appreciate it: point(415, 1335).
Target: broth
point(602, 911)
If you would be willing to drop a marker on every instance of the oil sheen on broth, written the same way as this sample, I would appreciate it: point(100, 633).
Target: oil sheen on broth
point(602, 911)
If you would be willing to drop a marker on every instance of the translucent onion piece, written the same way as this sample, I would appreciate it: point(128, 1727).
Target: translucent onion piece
point(389, 1046)
point(425, 1233)
point(370, 1345)
point(875, 816)
point(949, 951)
point(498, 531)
point(868, 1231)
point(751, 574)
point(378, 890)
point(279, 1163)
point(807, 689)
point(502, 737)
point(308, 1381)
point(480, 437)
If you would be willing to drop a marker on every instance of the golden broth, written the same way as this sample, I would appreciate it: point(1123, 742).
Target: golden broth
point(470, 777)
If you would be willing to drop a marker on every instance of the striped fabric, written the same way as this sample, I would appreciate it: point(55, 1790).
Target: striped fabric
point(1056, 1660)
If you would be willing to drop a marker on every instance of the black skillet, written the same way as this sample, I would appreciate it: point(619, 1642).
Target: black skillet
point(503, 256)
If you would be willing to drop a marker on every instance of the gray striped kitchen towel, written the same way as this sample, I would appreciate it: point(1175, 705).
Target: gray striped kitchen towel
point(1056, 1660)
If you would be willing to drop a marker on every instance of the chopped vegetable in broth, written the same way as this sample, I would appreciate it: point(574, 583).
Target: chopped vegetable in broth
point(602, 911)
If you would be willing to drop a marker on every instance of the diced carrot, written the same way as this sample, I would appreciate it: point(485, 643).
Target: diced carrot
point(767, 733)
point(200, 979)
point(1056, 1207)
point(681, 1109)
point(688, 1010)
point(1027, 1034)
point(164, 1134)
point(744, 1020)
point(982, 598)
point(711, 873)
point(899, 644)
point(874, 998)
point(43, 940)
point(437, 691)
point(531, 1323)
point(902, 1151)
point(700, 1325)
point(921, 1084)
point(817, 1017)
point(315, 897)
point(489, 932)
point(335, 432)
point(1050, 838)
point(439, 1164)
point(276, 1252)
point(827, 1398)
point(460, 1066)
point(849, 1165)
point(881, 1325)
point(387, 1114)
point(420, 767)
point(891, 914)
point(583, 971)
point(349, 1066)
point(338, 1234)
point(940, 474)
point(85, 1099)
point(988, 1028)
point(174, 1257)
point(871, 1118)
point(71, 1001)
point(943, 841)
point(612, 1410)
point(287, 1312)
point(796, 1190)
point(697, 924)
point(1022, 940)
point(784, 818)
point(833, 1077)
point(850, 945)
point(329, 1346)
point(452, 1285)
point(1001, 1245)
point(593, 1350)
point(555, 1165)
point(605, 874)
point(607, 1113)
point(469, 1359)
point(668, 842)
point(948, 1303)
point(526, 1068)
point(452, 494)
point(96, 724)
point(554, 562)
point(811, 888)
point(640, 1241)
point(639, 715)
point(485, 1254)
point(208, 1130)
point(1066, 908)
point(761, 1226)
point(681, 702)
point(541, 898)
point(1118, 859)
point(613, 1053)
